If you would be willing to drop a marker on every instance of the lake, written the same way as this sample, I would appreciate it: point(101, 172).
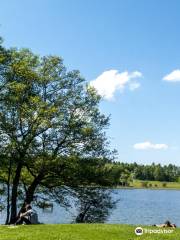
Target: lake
point(135, 206)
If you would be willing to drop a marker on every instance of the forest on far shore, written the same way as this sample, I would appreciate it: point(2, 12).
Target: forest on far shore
point(124, 173)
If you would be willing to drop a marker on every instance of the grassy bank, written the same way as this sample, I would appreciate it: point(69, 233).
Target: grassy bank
point(155, 184)
point(152, 185)
point(80, 232)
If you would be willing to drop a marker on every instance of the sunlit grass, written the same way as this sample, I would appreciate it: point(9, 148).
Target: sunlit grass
point(156, 184)
point(80, 232)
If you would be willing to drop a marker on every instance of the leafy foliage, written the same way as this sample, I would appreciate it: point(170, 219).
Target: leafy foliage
point(50, 126)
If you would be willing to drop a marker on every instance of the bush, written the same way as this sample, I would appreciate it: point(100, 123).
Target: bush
point(144, 184)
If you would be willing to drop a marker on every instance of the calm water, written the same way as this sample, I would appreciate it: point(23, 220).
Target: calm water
point(137, 206)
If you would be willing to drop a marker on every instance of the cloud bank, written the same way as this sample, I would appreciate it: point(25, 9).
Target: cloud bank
point(111, 81)
point(174, 76)
point(148, 146)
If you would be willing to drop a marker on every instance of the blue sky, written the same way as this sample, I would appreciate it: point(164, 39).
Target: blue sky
point(128, 45)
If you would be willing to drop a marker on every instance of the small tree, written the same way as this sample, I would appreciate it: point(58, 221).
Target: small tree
point(164, 184)
point(144, 184)
point(93, 205)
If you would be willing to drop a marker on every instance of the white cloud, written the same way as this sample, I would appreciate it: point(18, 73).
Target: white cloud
point(134, 85)
point(110, 81)
point(148, 145)
point(174, 76)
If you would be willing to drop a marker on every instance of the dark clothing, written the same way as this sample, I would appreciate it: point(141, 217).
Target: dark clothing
point(22, 220)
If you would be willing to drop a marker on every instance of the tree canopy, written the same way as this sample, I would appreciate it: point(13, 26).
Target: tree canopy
point(50, 126)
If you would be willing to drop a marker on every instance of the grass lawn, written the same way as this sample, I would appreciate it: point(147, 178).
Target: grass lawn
point(80, 232)
point(155, 184)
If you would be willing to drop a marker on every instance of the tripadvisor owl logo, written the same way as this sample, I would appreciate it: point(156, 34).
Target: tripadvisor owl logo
point(138, 231)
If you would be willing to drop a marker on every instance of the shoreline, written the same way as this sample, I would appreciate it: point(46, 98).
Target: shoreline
point(148, 188)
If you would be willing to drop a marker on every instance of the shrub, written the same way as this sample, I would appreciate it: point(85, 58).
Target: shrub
point(144, 184)
point(164, 184)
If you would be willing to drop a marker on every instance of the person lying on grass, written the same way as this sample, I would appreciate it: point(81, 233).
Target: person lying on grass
point(28, 217)
point(166, 224)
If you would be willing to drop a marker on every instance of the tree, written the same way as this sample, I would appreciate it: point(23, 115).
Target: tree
point(48, 117)
point(93, 204)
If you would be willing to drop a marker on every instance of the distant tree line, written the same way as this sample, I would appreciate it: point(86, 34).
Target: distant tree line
point(124, 173)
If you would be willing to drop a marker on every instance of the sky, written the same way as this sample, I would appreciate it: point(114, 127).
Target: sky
point(129, 50)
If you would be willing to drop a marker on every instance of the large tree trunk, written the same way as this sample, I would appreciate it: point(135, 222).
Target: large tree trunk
point(31, 190)
point(14, 193)
point(8, 192)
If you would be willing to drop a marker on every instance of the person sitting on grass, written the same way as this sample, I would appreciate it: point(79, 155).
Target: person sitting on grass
point(28, 217)
point(166, 224)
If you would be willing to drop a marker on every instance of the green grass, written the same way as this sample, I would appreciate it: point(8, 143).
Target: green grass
point(155, 184)
point(80, 232)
